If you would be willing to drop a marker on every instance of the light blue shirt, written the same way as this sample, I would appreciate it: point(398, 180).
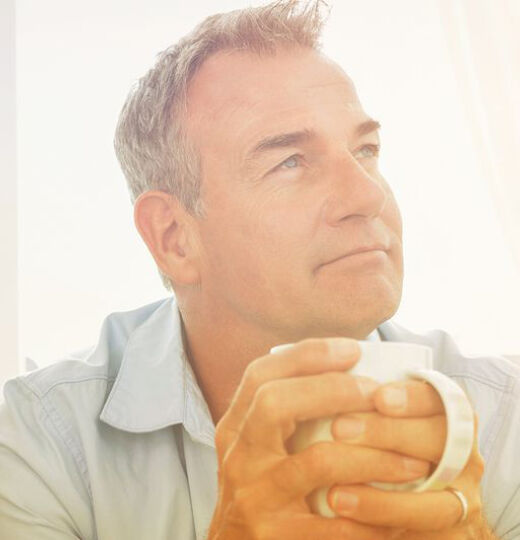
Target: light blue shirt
point(118, 442)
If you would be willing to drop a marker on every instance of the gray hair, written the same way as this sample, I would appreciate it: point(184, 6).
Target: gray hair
point(150, 141)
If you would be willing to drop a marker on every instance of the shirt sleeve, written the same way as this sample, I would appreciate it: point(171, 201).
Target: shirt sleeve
point(501, 489)
point(42, 493)
point(512, 513)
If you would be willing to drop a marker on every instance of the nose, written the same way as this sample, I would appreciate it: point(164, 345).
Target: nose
point(353, 191)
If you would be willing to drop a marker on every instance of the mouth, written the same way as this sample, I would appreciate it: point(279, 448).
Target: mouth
point(358, 251)
point(367, 254)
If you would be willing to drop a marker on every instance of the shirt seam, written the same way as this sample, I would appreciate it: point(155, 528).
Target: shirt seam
point(66, 441)
point(506, 387)
point(43, 394)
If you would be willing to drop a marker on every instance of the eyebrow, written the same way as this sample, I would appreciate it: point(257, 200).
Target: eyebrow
point(283, 140)
point(367, 127)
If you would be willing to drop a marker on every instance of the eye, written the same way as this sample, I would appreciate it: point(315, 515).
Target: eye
point(292, 162)
point(369, 150)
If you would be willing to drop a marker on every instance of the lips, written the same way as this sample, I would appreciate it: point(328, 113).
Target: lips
point(361, 249)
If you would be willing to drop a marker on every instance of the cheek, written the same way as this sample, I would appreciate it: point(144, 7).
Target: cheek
point(256, 241)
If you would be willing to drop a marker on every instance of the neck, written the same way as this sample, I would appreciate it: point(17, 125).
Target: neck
point(219, 355)
point(220, 345)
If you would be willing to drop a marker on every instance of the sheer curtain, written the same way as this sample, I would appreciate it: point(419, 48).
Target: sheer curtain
point(483, 38)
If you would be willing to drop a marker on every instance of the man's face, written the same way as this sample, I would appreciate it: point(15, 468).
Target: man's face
point(290, 188)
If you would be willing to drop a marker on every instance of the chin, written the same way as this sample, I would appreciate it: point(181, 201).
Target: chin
point(357, 313)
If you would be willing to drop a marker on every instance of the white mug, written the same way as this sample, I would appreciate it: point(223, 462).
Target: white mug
point(386, 362)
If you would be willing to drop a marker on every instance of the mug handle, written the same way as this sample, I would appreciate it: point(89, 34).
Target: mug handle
point(460, 427)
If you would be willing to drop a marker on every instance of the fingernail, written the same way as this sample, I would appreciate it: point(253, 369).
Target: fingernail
point(345, 502)
point(395, 397)
point(343, 346)
point(415, 466)
point(349, 428)
point(366, 386)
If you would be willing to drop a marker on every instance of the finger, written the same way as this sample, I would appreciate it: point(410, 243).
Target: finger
point(428, 511)
point(308, 357)
point(328, 463)
point(313, 527)
point(278, 405)
point(423, 438)
point(408, 398)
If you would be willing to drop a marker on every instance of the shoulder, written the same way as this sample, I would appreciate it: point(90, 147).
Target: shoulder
point(487, 370)
point(100, 362)
point(64, 397)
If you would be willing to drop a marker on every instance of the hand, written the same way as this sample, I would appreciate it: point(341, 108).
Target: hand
point(262, 488)
point(411, 422)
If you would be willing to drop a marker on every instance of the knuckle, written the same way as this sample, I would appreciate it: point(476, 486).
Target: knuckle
point(318, 463)
point(253, 377)
point(267, 401)
point(283, 476)
point(318, 458)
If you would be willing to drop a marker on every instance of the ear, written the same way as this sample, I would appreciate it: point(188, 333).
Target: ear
point(169, 232)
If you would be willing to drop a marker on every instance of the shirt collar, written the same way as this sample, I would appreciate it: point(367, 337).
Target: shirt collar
point(155, 386)
point(374, 336)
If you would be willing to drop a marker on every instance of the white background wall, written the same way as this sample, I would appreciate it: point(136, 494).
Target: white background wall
point(80, 256)
point(8, 194)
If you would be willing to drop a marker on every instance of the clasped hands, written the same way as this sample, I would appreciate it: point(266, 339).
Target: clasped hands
point(391, 433)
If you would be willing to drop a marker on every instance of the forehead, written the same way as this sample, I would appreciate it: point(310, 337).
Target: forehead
point(236, 97)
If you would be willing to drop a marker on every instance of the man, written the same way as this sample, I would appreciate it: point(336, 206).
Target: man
point(254, 172)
